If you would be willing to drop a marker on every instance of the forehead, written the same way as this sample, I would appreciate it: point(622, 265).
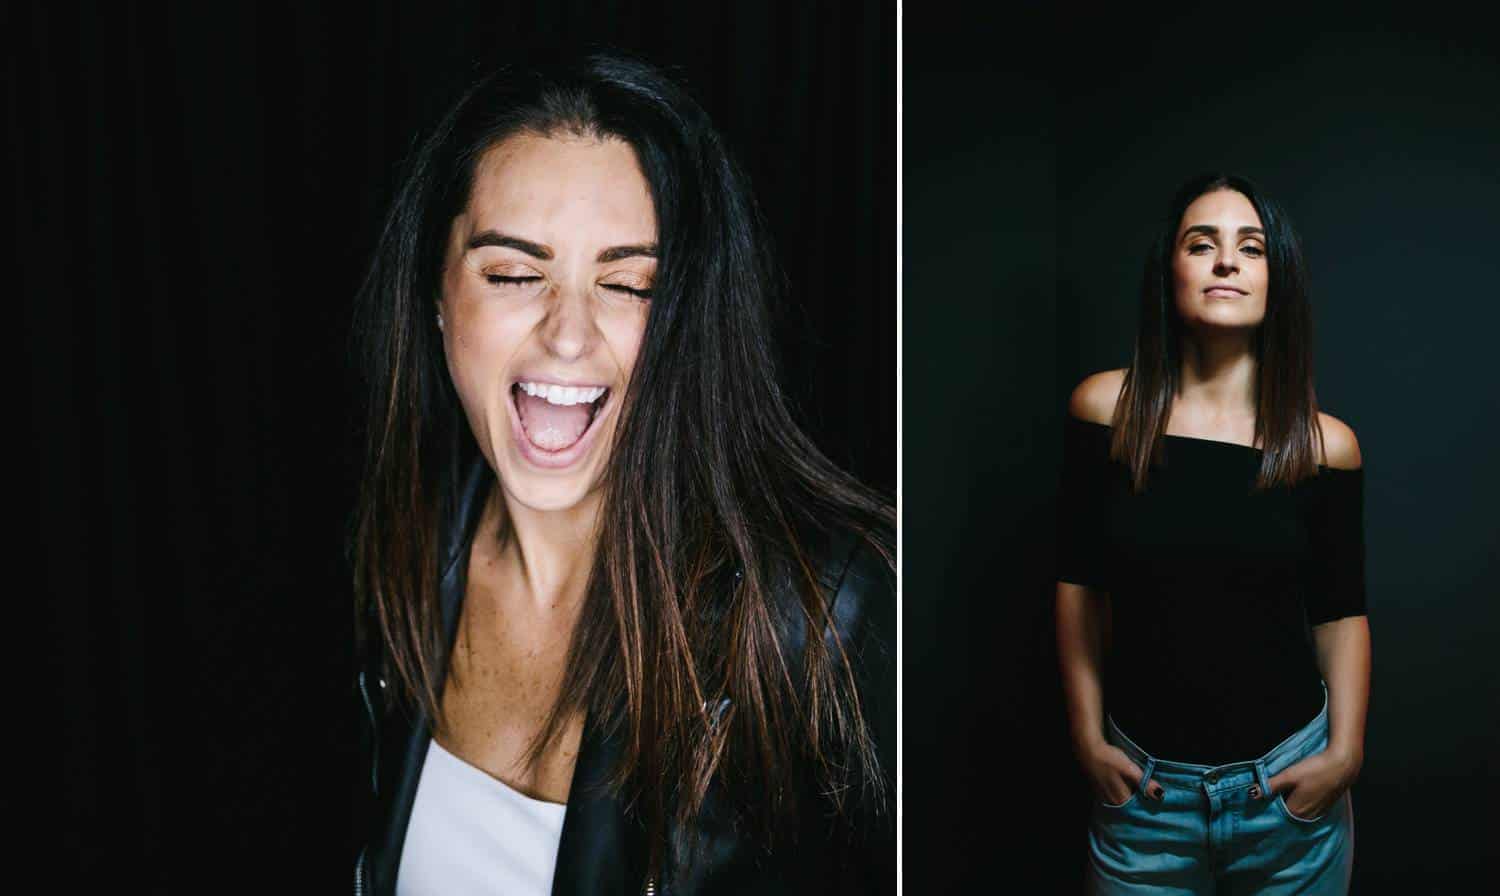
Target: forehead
point(563, 189)
point(1222, 208)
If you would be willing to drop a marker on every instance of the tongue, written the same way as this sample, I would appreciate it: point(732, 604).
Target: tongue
point(551, 427)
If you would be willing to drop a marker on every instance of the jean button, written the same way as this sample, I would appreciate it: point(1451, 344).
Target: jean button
point(1254, 792)
point(1211, 777)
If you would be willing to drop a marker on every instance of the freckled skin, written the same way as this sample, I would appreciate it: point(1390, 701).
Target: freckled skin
point(510, 314)
point(570, 317)
point(509, 666)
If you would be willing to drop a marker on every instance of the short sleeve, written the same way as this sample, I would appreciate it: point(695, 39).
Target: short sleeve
point(1080, 504)
point(1336, 557)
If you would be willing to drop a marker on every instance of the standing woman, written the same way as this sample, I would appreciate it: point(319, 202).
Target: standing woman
point(622, 627)
point(1211, 624)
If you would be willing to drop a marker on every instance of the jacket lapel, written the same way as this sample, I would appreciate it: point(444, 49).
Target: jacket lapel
point(600, 850)
point(404, 745)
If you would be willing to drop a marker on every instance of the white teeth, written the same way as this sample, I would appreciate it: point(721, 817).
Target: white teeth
point(554, 394)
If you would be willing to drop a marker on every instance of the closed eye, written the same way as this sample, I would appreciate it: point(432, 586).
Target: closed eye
point(620, 287)
point(497, 279)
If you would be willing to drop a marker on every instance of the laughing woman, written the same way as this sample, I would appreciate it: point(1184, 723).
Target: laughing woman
point(622, 628)
point(1211, 595)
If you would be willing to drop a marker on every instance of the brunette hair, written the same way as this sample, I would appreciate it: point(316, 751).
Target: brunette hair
point(704, 577)
point(1286, 403)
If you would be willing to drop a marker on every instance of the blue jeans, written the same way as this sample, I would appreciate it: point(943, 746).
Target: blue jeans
point(1215, 832)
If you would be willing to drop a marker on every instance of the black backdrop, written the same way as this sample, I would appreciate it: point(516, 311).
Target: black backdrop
point(195, 194)
point(196, 189)
point(1038, 153)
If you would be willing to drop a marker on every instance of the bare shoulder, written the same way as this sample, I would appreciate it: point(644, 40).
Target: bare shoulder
point(1340, 447)
point(1094, 399)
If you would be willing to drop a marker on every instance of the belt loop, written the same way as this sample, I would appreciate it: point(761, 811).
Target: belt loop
point(1146, 773)
point(1262, 779)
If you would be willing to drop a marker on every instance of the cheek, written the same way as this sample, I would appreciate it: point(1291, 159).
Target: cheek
point(1182, 272)
point(625, 334)
point(1184, 278)
point(480, 344)
point(1200, 265)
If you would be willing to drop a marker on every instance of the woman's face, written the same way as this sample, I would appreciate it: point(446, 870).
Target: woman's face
point(546, 289)
point(1220, 243)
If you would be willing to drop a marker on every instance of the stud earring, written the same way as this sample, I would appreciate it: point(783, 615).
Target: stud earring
point(440, 320)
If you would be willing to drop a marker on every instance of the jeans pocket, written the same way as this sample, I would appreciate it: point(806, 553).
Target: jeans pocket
point(1281, 802)
point(1318, 745)
point(1135, 794)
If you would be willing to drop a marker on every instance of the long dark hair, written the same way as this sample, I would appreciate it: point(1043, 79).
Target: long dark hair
point(704, 576)
point(1286, 403)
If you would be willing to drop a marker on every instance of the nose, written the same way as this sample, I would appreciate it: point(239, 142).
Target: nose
point(1225, 261)
point(569, 329)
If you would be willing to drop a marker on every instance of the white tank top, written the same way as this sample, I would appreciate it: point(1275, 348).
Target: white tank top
point(471, 834)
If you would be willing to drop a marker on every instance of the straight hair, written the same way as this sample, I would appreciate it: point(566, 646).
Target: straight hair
point(703, 579)
point(1286, 403)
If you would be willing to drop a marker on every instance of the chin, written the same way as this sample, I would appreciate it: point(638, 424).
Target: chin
point(1226, 325)
point(1220, 316)
point(543, 489)
point(545, 496)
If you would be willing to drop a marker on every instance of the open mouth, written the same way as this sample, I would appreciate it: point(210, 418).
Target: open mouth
point(555, 418)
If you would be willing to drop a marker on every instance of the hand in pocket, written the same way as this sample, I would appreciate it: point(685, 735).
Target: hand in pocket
point(1312, 785)
point(1115, 776)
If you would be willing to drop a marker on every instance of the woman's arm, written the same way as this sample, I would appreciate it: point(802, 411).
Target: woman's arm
point(1083, 627)
point(1082, 621)
point(1312, 785)
point(1341, 630)
point(1343, 647)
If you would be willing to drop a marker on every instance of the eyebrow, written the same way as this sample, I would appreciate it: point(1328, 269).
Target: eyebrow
point(1211, 230)
point(544, 253)
point(615, 253)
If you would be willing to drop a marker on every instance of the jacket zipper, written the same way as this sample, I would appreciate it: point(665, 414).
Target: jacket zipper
point(359, 874)
point(359, 865)
point(374, 733)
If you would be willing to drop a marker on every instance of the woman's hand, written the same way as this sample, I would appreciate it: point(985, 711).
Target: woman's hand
point(1313, 785)
point(1114, 775)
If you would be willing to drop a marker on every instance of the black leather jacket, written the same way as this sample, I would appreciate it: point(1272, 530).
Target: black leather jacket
point(601, 850)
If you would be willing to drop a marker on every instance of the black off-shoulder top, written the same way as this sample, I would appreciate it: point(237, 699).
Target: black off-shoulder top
point(1213, 588)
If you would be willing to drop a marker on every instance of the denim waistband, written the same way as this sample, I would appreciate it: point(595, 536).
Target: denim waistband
point(1307, 740)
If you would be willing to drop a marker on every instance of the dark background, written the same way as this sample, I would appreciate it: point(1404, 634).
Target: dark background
point(196, 189)
point(1038, 155)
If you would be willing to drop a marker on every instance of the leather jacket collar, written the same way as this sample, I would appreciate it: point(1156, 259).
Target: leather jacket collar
point(602, 849)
